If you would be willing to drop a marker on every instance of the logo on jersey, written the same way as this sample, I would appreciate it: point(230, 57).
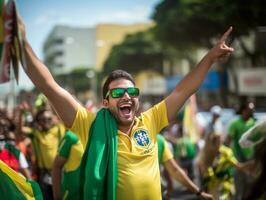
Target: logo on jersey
point(141, 137)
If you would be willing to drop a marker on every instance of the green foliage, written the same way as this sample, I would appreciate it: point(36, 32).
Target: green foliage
point(186, 23)
point(138, 51)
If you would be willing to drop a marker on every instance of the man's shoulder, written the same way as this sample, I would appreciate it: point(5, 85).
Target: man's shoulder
point(235, 123)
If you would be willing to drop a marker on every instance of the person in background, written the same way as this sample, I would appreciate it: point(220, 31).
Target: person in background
point(166, 158)
point(45, 136)
point(9, 153)
point(236, 129)
point(214, 127)
point(66, 168)
point(185, 152)
point(215, 161)
point(184, 149)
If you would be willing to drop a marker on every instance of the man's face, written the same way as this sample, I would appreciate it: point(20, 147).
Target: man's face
point(124, 108)
point(249, 111)
point(45, 121)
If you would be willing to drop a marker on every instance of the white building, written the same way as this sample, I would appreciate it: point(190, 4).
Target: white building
point(67, 48)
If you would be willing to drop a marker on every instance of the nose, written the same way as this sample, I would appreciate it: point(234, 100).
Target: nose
point(126, 96)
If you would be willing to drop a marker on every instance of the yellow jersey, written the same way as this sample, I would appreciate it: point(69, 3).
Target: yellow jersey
point(137, 155)
point(46, 143)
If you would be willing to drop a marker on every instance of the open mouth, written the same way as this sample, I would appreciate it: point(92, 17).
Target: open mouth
point(125, 110)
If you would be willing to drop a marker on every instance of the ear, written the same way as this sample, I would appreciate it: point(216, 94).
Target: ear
point(105, 102)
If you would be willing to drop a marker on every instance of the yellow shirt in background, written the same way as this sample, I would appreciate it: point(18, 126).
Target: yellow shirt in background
point(46, 143)
point(137, 156)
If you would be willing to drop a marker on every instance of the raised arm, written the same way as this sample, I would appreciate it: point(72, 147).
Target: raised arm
point(193, 80)
point(64, 104)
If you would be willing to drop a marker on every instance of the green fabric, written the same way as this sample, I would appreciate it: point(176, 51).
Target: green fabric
point(71, 179)
point(236, 130)
point(13, 150)
point(36, 190)
point(185, 148)
point(71, 184)
point(99, 162)
point(160, 142)
point(9, 190)
point(66, 143)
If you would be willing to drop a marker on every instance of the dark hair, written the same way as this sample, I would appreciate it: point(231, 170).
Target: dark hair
point(39, 114)
point(114, 75)
point(243, 106)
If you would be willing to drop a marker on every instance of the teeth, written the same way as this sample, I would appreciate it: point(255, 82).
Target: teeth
point(125, 107)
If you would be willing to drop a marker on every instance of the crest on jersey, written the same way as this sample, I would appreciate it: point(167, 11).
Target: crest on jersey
point(142, 138)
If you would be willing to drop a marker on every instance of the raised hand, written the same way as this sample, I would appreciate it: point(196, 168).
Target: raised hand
point(221, 50)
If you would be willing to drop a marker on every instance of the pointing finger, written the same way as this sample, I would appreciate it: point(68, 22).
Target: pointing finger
point(226, 34)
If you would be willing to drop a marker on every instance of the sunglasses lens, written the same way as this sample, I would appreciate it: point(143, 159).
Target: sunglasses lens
point(132, 91)
point(118, 92)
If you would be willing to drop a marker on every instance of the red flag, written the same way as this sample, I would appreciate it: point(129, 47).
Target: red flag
point(12, 45)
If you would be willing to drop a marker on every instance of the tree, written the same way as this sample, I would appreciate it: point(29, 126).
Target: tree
point(138, 51)
point(184, 24)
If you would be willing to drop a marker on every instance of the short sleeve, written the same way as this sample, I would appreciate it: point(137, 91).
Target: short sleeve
point(66, 143)
point(82, 124)
point(157, 116)
point(167, 154)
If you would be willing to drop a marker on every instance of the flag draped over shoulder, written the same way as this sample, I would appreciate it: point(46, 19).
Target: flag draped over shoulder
point(14, 186)
point(190, 125)
point(99, 162)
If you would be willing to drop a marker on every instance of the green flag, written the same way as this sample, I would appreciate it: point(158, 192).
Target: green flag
point(14, 186)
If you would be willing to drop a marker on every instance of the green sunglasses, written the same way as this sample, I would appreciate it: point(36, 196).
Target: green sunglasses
point(119, 92)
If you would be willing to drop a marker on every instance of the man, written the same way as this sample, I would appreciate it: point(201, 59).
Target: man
point(45, 137)
point(137, 163)
point(236, 129)
point(68, 161)
point(208, 145)
point(166, 158)
point(215, 163)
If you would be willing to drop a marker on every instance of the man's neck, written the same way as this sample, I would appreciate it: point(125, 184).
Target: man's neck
point(126, 128)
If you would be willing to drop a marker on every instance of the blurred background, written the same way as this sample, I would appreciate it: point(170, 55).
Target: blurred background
point(157, 41)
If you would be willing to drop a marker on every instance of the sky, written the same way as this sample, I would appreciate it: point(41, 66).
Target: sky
point(40, 16)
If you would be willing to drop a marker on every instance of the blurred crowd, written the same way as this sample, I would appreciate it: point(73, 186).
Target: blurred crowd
point(31, 138)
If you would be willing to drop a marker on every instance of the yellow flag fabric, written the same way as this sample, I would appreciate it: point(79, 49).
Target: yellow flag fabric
point(15, 186)
point(190, 126)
